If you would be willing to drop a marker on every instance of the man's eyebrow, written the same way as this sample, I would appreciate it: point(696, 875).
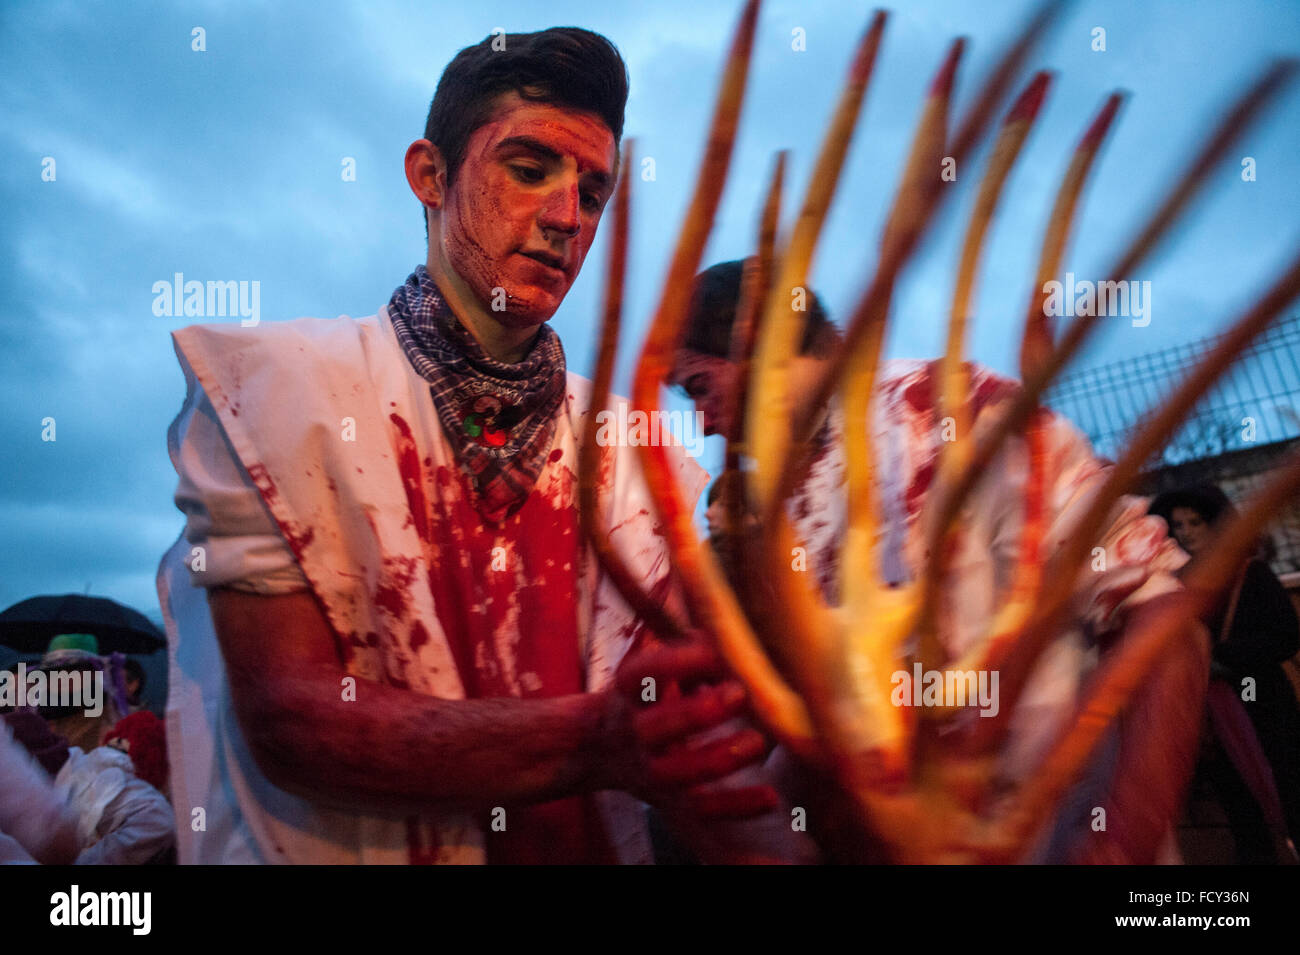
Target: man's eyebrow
point(602, 179)
point(528, 143)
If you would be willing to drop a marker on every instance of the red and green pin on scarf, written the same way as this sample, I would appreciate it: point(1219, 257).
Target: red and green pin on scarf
point(483, 432)
point(484, 423)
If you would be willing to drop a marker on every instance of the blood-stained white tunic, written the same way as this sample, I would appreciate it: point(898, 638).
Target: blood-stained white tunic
point(299, 449)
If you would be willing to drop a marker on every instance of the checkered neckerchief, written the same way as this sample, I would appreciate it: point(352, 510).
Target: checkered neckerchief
point(499, 417)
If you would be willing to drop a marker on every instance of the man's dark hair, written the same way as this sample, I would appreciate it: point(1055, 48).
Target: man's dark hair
point(564, 66)
point(1212, 505)
point(1207, 500)
point(713, 312)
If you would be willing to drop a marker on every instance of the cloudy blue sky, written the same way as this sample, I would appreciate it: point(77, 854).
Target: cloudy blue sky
point(225, 164)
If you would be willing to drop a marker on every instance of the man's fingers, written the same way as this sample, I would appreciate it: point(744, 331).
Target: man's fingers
point(685, 766)
point(667, 721)
point(666, 663)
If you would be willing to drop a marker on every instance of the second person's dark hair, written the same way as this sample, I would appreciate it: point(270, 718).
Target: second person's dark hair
point(713, 312)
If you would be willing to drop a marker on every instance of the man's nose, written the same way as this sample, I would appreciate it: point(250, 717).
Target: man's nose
point(560, 214)
point(712, 420)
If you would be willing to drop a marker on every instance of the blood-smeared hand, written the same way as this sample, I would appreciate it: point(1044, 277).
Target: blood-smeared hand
point(674, 719)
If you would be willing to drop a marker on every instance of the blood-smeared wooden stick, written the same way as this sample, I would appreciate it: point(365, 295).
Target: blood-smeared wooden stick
point(968, 134)
point(954, 383)
point(592, 518)
point(870, 736)
point(1017, 660)
point(1036, 344)
point(1006, 150)
point(949, 500)
point(768, 398)
point(861, 364)
point(712, 603)
point(755, 283)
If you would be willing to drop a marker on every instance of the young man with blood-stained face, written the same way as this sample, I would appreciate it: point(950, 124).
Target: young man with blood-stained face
point(407, 651)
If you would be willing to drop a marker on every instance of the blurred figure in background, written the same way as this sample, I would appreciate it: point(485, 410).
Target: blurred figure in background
point(1254, 629)
point(79, 653)
point(119, 816)
point(123, 818)
point(36, 825)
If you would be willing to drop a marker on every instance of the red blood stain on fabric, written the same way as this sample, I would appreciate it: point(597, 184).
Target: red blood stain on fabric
point(506, 597)
point(264, 483)
point(298, 538)
point(920, 395)
point(391, 600)
point(393, 593)
point(408, 464)
point(419, 635)
point(628, 520)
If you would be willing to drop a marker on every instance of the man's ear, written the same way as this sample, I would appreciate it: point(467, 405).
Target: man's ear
point(426, 173)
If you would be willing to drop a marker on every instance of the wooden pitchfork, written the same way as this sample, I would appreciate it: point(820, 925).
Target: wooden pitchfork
point(923, 787)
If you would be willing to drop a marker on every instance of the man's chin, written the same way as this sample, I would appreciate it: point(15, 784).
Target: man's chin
point(524, 317)
point(528, 311)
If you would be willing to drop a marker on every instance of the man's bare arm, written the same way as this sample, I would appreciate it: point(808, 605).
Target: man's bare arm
point(394, 750)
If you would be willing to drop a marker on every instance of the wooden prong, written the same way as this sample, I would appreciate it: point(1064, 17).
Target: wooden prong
point(921, 179)
point(859, 366)
point(1062, 572)
point(954, 381)
point(756, 280)
point(1016, 610)
point(1039, 334)
point(968, 134)
point(914, 202)
point(877, 620)
point(712, 603)
point(949, 499)
point(1005, 152)
point(971, 129)
point(592, 518)
point(769, 402)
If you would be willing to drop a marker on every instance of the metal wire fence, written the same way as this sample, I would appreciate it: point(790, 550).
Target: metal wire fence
point(1233, 437)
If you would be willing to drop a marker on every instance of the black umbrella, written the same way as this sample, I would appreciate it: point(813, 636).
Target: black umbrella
point(29, 625)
